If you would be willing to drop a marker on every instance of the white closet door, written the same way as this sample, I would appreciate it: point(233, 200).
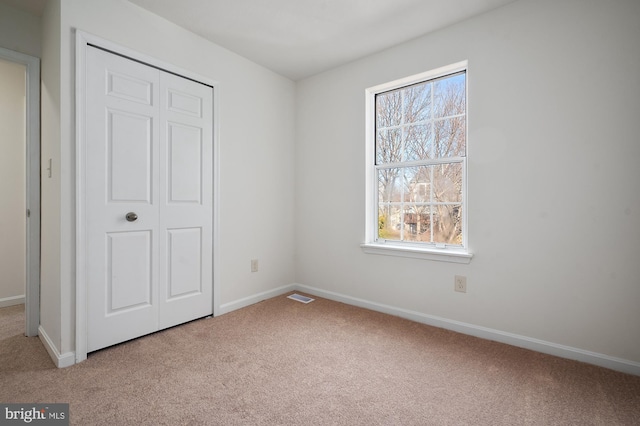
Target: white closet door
point(148, 199)
point(186, 200)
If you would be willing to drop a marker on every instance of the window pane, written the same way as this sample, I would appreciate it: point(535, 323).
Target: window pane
point(389, 222)
point(418, 143)
point(447, 183)
point(416, 103)
point(416, 223)
point(449, 96)
point(388, 146)
point(450, 137)
point(447, 224)
point(389, 185)
point(417, 184)
point(388, 109)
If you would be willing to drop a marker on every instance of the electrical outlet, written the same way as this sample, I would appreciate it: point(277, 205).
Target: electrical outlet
point(460, 283)
point(254, 265)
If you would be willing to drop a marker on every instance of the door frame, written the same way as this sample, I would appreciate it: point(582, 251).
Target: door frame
point(83, 41)
point(32, 186)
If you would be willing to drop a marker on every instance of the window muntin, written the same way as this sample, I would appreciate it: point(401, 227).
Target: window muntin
point(420, 161)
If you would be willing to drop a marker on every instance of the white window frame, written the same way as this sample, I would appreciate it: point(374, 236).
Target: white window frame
point(373, 244)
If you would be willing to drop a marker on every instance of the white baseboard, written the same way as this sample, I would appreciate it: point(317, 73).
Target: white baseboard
point(537, 345)
point(241, 303)
point(60, 360)
point(10, 301)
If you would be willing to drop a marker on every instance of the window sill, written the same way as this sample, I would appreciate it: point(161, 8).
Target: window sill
point(441, 255)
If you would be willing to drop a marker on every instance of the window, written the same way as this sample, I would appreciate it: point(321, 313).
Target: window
point(416, 166)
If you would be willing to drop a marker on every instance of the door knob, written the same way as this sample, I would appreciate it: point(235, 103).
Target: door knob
point(131, 217)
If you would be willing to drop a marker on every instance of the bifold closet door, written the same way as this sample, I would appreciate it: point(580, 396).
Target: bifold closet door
point(148, 199)
point(186, 200)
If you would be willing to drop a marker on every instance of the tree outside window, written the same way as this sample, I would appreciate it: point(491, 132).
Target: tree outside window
point(420, 154)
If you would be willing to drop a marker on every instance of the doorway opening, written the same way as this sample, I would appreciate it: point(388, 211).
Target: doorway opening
point(20, 185)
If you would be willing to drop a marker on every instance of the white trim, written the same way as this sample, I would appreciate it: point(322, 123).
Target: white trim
point(81, 272)
point(537, 345)
point(5, 302)
point(217, 255)
point(427, 75)
point(443, 255)
point(371, 198)
point(60, 360)
point(83, 39)
point(250, 300)
point(32, 169)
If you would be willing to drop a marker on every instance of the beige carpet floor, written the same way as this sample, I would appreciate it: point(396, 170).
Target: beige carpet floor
point(281, 362)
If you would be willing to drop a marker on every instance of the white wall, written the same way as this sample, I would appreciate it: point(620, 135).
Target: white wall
point(12, 183)
point(256, 156)
point(50, 294)
point(20, 31)
point(554, 99)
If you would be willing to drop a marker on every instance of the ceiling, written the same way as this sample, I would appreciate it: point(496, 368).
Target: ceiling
point(299, 38)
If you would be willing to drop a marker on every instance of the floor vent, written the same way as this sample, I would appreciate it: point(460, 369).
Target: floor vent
point(300, 298)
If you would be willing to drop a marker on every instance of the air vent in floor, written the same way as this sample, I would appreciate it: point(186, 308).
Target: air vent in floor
point(300, 298)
